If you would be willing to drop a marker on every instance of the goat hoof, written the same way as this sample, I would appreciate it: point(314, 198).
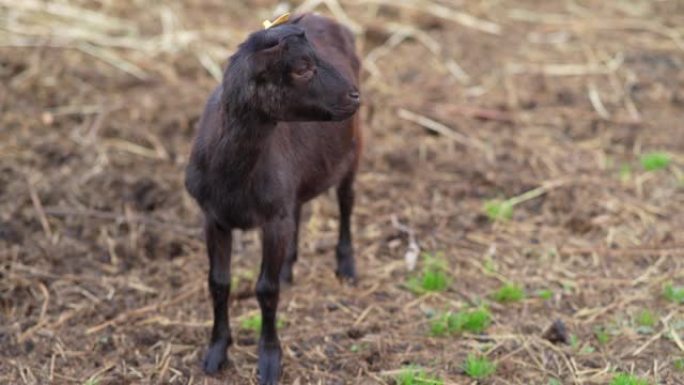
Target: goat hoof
point(346, 272)
point(346, 278)
point(269, 365)
point(346, 269)
point(216, 358)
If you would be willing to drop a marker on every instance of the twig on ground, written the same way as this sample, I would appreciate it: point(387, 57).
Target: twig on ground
point(40, 212)
point(441, 129)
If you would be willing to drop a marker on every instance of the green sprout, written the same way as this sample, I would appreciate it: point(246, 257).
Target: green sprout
point(545, 294)
point(673, 293)
point(432, 278)
point(569, 287)
point(627, 379)
point(655, 161)
point(478, 368)
point(253, 323)
point(602, 335)
point(490, 265)
point(583, 348)
point(473, 321)
point(678, 364)
point(355, 348)
point(498, 210)
point(646, 321)
point(234, 281)
point(412, 375)
point(646, 318)
point(574, 341)
point(443, 324)
point(509, 293)
point(625, 173)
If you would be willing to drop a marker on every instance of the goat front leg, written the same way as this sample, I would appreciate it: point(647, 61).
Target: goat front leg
point(219, 243)
point(345, 251)
point(286, 273)
point(277, 236)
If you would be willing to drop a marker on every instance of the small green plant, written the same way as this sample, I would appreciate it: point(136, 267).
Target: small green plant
point(443, 324)
point(569, 287)
point(554, 381)
point(92, 381)
point(412, 375)
point(509, 293)
point(473, 321)
point(502, 210)
point(574, 341)
point(355, 348)
point(478, 367)
point(545, 294)
point(602, 335)
point(678, 364)
point(673, 293)
point(498, 210)
point(490, 266)
point(582, 347)
point(432, 278)
point(627, 379)
point(253, 323)
point(654, 161)
point(646, 320)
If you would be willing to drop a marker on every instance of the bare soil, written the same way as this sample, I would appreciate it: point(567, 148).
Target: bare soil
point(102, 262)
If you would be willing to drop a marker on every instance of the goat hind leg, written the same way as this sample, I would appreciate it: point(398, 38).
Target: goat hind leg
point(345, 251)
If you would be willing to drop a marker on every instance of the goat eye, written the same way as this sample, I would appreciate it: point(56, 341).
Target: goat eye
point(304, 72)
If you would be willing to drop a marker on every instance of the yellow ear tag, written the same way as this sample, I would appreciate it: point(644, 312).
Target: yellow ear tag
point(280, 20)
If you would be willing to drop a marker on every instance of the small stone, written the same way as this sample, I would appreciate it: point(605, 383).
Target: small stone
point(557, 333)
point(355, 333)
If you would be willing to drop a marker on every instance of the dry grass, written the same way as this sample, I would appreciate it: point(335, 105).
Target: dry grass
point(548, 105)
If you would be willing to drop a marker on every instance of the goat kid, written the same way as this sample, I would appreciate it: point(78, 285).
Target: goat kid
point(281, 129)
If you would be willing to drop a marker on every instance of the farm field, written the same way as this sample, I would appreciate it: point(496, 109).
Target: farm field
point(532, 151)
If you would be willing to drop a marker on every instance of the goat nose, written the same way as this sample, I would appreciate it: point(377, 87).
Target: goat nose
point(354, 95)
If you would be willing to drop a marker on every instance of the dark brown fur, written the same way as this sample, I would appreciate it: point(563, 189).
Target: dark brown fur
point(280, 130)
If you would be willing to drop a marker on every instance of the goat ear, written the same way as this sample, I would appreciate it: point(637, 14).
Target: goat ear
point(264, 58)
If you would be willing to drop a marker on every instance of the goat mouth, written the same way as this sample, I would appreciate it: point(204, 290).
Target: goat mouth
point(343, 112)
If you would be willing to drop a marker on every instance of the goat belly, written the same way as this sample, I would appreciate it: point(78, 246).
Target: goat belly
point(238, 210)
point(329, 173)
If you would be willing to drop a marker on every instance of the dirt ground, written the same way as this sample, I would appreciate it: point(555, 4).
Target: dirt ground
point(102, 263)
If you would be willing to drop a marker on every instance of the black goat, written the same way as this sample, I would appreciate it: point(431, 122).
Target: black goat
point(281, 129)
